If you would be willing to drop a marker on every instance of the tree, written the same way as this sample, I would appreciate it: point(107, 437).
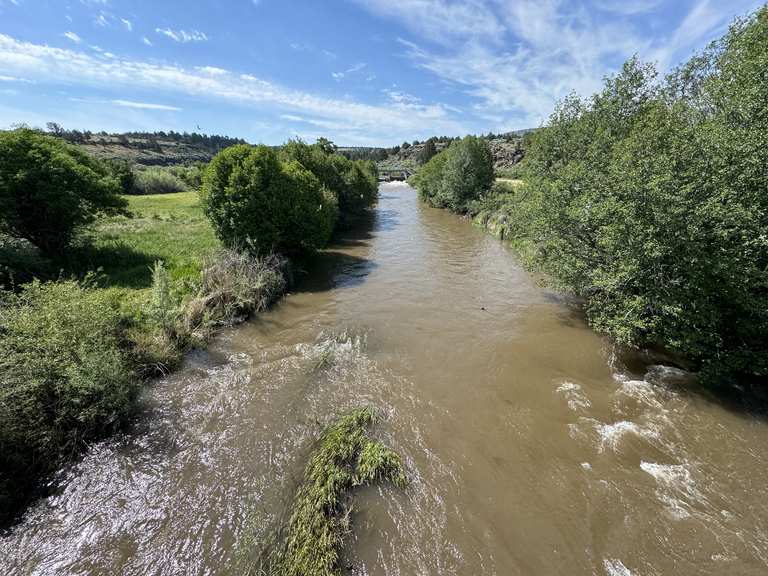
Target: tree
point(649, 201)
point(353, 182)
point(255, 200)
point(427, 152)
point(49, 189)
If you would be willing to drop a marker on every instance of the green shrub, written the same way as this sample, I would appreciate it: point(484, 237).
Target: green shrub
point(191, 175)
point(254, 199)
point(49, 189)
point(428, 180)
point(20, 262)
point(64, 379)
point(353, 182)
point(649, 200)
point(457, 176)
point(157, 181)
point(344, 459)
point(123, 172)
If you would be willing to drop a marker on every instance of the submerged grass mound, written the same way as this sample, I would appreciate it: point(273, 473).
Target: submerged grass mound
point(345, 458)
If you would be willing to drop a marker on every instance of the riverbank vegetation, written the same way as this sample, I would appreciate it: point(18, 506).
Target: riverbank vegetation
point(458, 176)
point(344, 459)
point(103, 290)
point(648, 200)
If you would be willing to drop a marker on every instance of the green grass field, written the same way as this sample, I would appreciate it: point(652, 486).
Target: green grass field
point(167, 227)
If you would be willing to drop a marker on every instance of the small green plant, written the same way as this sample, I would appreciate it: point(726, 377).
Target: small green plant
point(161, 306)
point(345, 458)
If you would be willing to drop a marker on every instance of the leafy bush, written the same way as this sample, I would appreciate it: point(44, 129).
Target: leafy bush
point(48, 189)
point(254, 199)
point(649, 200)
point(353, 182)
point(191, 175)
point(122, 171)
point(157, 181)
point(20, 262)
point(457, 176)
point(64, 379)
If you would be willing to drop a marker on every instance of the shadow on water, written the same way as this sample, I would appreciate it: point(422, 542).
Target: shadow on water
point(343, 264)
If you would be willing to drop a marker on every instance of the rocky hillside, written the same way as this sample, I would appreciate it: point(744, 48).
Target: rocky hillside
point(148, 148)
point(508, 150)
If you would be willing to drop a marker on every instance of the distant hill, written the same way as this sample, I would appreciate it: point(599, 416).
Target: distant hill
point(149, 148)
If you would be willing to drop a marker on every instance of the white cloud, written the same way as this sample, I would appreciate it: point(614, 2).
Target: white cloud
point(351, 121)
point(72, 36)
point(144, 105)
point(14, 79)
point(212, 70)
point(183, 36)
point(352, 70)
point(128, 24)
point(147, 41)
point(442, 21)
point(102, 20)
point(628, 6)
point(517, 58)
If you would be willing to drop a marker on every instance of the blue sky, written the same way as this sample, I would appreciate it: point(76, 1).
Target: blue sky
point(361, 72)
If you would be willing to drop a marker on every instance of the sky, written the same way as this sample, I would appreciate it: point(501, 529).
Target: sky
point(360, 72)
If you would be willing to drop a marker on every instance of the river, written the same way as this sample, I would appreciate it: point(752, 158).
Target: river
point(531, 448)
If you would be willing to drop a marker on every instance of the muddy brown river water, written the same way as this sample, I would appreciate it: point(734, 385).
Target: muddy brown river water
point(531, 448)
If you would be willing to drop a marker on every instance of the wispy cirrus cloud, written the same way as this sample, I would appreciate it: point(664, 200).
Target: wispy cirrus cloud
point(183, 36)
point(349, 71)
point(516, 59)
point(354, 121)
point(73, 37)
point(144, 105)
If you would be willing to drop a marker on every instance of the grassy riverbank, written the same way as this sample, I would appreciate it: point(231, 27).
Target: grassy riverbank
point(74, 352)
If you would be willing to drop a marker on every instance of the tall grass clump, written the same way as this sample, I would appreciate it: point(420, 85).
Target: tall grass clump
point(233, 285)
point(65, 379)
point(345, 458)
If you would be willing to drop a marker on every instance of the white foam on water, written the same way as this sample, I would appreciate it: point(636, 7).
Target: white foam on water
point(639, 390)
point(576, 399)
point(614, 567)
point(611, 434)
point(676, 487)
